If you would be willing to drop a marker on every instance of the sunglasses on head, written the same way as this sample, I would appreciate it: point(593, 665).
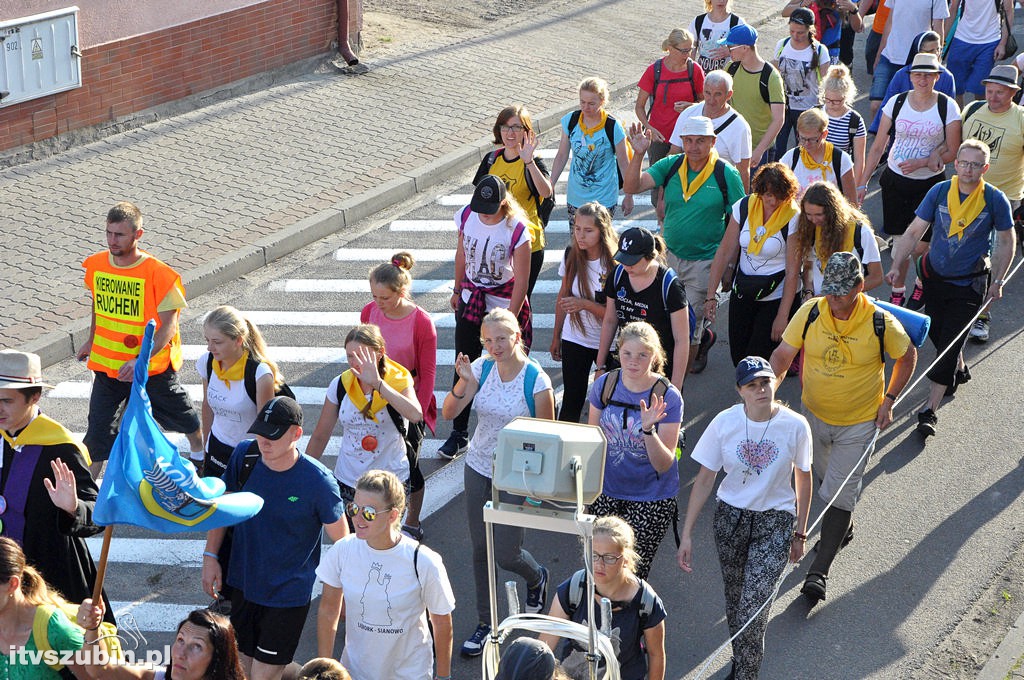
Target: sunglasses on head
point(368, 511)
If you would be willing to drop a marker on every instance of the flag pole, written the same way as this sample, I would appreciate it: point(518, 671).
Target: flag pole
point(101, 568)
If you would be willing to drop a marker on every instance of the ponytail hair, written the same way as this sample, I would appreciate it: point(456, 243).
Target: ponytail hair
point(230, 322)
point(33, 587)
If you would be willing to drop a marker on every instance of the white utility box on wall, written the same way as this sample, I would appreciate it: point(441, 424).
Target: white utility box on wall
point(39, 55)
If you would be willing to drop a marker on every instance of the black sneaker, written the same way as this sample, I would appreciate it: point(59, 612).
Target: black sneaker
point(916, 299)
point(961, 377)
point(707, 341)
point(537, 595)
point(455, 445)
point(926, 422)
point(474, 646)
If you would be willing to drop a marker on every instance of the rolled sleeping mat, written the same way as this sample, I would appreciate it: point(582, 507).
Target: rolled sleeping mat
point(914, 323)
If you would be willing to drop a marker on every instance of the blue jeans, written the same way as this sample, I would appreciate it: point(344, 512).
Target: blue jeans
point(883, 74)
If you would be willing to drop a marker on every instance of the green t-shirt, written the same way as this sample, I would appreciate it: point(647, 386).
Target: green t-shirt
point(693, 229)
point(63, 636)
point(746, 98)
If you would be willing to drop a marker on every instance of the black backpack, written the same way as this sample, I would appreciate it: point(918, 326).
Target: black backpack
point(877, 320)
point(719, 173)
point(853, 124)
point(698, 25)
point(837, 164)
point(282, 390)
point(544, 205)
point(396, 418)
point(901, 99)
point(762, 81)
point(609, 131)
point(657, 79)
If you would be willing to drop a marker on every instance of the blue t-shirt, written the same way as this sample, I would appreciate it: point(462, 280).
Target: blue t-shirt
point(593, 173)
point(955, 256)
point(628, 473)
point(627, 630)
point(275, 554)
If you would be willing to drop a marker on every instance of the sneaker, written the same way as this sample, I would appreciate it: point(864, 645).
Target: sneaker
point(707, 341)
point(979, 331)
point(474, 646)
point(814, 587)
point(538, 594)
point(221, 606)
point(960, 377)
point(916, 300)
point(926, 422)
point(456, 444)
point(897, 299)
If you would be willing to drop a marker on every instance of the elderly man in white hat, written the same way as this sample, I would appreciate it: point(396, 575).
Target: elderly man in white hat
point(999, 122)
point(700, 189)
point(46, 492)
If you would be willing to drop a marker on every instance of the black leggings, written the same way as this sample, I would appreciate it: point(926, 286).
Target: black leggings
point(576, 363)
point(467, 341)
point(750, 327)
point(536, 263)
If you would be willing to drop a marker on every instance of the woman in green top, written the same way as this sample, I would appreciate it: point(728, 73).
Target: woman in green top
point(31, 621)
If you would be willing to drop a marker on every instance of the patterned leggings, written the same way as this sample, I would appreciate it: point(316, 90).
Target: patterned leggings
point(648, 519)
point(753, 548)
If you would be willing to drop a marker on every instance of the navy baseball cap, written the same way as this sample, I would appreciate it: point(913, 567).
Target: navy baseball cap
point(751, 368)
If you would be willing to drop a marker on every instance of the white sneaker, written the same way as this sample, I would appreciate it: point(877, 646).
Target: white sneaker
point(979, 331)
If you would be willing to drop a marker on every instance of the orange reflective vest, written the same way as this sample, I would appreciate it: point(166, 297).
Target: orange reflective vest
point(123, 300)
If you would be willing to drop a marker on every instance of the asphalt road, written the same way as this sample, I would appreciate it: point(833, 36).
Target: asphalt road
point(935, 526)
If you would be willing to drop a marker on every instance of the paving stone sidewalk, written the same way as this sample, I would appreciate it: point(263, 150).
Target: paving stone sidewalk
point(226, 188)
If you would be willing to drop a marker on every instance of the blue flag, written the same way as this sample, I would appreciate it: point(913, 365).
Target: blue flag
point(148, 484)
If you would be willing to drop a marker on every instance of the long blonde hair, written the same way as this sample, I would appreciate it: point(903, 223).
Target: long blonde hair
point(230, 322)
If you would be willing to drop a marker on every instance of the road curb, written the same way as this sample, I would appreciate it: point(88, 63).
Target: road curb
point(1008, 659)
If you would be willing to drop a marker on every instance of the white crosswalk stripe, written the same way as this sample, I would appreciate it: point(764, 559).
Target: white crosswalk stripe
point(349, 319)
point(420, 254)
point(331, 355)
point(459, 200)
point(554, 226)
point(419, 286)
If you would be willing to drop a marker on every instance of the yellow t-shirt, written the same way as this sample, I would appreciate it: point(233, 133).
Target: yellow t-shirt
point(843, 379)
point(514, 175)
point(1004, 134)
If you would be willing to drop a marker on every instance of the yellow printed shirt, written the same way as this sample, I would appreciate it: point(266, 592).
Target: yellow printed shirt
point(513, 174)
point(843, 379)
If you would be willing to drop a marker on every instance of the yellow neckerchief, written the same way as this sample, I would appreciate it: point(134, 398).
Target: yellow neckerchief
point(761, 231)
point(395, 375)
point(235, 372)
point(962, 214)
point(589, 131)
point(861, 314)
point(847, 244)
point(689, 189)
point(825, 164)
point(44, 431)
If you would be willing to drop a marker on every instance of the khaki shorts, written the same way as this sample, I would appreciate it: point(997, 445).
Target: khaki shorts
point(695, 275)
point(838, 449)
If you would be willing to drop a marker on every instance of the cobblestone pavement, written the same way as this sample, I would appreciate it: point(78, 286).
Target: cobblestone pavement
point(230, 186)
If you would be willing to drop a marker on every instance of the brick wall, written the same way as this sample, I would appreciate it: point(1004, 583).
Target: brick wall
point(134, 74)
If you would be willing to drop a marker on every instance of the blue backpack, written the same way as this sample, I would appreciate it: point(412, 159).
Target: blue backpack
point(532, 371)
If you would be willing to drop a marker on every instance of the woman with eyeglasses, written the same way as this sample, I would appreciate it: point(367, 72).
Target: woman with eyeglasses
point(502, 385)
point(667, 88)
point(846, 129)
point(638, 615)
point(765, 449)
point(374, 402)
point(818, 160)
point(524, 174)
point(393, 584)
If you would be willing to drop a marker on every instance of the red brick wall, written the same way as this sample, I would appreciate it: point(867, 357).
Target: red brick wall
point(130, 75)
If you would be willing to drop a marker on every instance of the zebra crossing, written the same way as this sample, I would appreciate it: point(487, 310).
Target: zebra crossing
point(304, 315)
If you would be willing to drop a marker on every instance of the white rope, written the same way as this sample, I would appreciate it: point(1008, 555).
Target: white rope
point(867, 451)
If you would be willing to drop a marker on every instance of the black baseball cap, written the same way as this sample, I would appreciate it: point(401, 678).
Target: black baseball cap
point(276, 416)
point(488, 195)
point(635, 244)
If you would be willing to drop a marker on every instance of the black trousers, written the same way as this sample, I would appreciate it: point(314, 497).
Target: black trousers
point(576, 363)
point(950, 306)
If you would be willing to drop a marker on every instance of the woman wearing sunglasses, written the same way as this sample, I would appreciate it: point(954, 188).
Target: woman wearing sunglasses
point(638, 616)
point(375, 403)
point(504, 384)
point(393, 584)
point(765, 450)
